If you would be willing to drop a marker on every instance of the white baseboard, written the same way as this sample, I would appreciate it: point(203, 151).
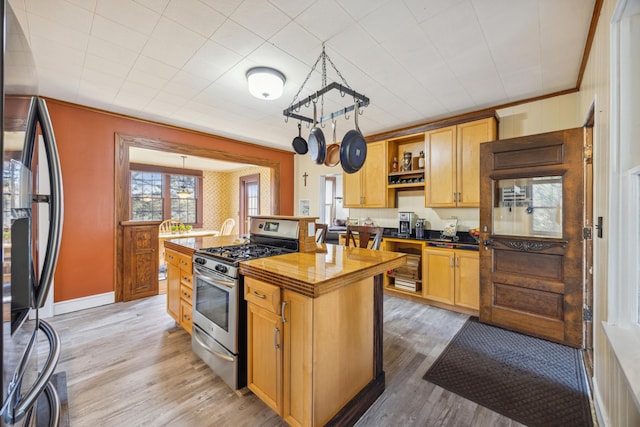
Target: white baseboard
point(601, 413)
point(83, 303)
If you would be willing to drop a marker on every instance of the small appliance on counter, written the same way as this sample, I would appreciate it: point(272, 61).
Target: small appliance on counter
point(420, 225)
point(406, 222)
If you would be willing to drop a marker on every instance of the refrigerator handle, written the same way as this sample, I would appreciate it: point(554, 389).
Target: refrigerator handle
point(25, 404)
point(55, 204)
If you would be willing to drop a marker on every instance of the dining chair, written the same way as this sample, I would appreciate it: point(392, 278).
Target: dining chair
point(227, 227)
point(165, 226)
point(321, 232)
point(368, 237)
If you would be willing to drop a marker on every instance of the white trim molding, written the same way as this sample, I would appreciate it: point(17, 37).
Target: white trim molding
point(83, 303)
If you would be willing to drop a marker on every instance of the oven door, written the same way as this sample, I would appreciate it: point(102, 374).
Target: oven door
point(215, 309)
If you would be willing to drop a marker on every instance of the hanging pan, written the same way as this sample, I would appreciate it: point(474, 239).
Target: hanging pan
point(333, 150)
point(299, 144)
point(317, 144)
point(353, 151)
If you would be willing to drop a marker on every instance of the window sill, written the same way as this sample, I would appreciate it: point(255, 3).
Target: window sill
point(624, 343)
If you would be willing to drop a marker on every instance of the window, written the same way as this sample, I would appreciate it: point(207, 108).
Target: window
point(146, 196)
point(159, 193)
point(329, 197)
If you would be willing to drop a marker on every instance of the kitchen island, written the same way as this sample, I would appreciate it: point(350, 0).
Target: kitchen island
point(314, 328)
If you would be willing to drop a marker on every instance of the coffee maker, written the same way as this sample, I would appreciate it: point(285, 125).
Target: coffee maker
point(406, 222)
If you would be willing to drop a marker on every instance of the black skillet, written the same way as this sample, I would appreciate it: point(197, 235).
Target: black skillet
point(299, 144)
point(353, 151)
point(317, 144)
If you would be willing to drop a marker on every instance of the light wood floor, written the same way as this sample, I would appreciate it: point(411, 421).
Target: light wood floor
point(128, 364)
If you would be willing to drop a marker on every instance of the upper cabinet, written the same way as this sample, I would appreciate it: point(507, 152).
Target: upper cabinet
point(452, 164)
point(367, 188)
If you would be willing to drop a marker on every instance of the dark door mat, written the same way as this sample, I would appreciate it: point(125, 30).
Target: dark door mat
point(530, 380)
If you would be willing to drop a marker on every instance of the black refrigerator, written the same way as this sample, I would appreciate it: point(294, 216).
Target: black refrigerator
point(32, 215)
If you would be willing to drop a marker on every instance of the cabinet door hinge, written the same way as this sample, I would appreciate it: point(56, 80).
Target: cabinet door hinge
point(587, 233)
point(587, 313)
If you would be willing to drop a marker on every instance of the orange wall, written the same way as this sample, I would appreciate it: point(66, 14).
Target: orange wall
point(86, 140)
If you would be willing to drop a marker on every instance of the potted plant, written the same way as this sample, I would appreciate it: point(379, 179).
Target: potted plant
point(188, 228)
point(174, 229)
point(182, 228)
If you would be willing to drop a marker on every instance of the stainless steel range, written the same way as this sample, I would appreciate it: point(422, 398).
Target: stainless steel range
point(219, 309)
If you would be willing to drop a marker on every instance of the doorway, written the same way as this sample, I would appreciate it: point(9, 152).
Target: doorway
point(249, 200)
point(531, 219)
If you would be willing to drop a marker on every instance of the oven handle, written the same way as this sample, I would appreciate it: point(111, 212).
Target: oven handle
point(219, 279)
point(206, 347)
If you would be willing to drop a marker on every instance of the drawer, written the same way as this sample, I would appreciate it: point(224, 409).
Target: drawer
point(172, 257)
point(186, 294)
point(185, 263)
point(186, 278)
point(262, 294)
point(185, 316)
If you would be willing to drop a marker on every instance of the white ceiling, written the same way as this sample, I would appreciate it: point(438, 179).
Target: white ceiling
point(183, 62)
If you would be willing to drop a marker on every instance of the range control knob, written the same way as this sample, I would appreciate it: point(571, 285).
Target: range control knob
point(200, 261)
point(221, 268)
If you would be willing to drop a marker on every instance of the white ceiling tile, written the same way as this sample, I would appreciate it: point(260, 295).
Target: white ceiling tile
point(292, 8)
point(157, 6)
point(64, 35)
point(260, 17)
point(211, 61)
point(184, 62)
point(172, 43)
point(60, 11)
point(124, 58)
point(186, 84)
point(235, 37)
point(89, 5)
point(195, 15)
point(424, 10)
point(117, 34)
point(325, 19)
point(226, 7)
point(129, 14)
point(105, 66)
point(455, 31)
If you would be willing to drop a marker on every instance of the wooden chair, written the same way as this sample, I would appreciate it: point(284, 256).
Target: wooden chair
point(227, 227)
point(165, 226)
point(368, 237)
point(321, 232)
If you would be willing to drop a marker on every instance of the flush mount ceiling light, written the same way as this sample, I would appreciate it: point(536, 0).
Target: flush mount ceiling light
point(265, 82)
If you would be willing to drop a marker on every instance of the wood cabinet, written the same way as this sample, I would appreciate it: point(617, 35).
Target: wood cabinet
point(139, 259)
point(288, 369)
point(452, 277)
point(180, 287)
point(367, 188)
point(452, 165)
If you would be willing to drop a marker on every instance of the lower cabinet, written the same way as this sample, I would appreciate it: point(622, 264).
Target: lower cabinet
point(452, 277)
point(307, 357)
point(179, 288)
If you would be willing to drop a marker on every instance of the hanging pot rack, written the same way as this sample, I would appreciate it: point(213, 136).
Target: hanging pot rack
point(359, 100)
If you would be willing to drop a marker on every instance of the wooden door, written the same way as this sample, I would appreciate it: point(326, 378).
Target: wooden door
point(469, 137)
point(467, 279)
point(297, 358)
point(440, 168)
point(264, 349)
point(532, 200)
point(374, 182)
point(438, 274)
point(352, 189)
point(140, 260)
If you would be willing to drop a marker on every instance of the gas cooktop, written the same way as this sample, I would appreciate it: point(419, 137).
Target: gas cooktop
point(243, 252)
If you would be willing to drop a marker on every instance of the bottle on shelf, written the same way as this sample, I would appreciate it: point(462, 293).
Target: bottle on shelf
point(394, 165)
point(421, 160)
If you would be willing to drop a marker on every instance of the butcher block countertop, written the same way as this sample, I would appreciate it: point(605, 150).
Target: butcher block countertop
point(311, 273)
